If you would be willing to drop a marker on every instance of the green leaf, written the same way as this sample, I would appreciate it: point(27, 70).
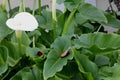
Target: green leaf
point(116, 71)
point(84, 28)
point(41, 47)
point(24, 39)
point(69, 24)
point(41, 20)
point(55, 78)
point(98, 42)
point(3, 68)
point(87, 67)
point(4, 30)
point(46, 38)
point(13, 52)
point(11, 48)
point(80, 19)
point(89, 12)
point(110, 73)
point(14, 56)
point(12, 62)
point(45, 20)
point(112, 21)
point(3, 59)
point(70, 71)
point(60, 22)
point(61, 43)
point(32, 52)
point(101, 60)
point(33, 33)
point(72, 4)
point(55, 62)
point(28, 74)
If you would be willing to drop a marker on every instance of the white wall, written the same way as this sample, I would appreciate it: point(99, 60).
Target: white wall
point(102, 4)
point(93, 2)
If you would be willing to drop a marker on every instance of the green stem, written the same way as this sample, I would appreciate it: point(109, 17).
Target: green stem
point(4, 4)
point(33, 41)
point(54, 29)
point(71, 16)
point(34, 7)
point(22, 6)
point(39, 6)
point(64, 76)
point(9, 5)
point(18, 36)
point(67, 23)
point(54, 17)
point(99, 28)
point(19, 46)
point(54, 10)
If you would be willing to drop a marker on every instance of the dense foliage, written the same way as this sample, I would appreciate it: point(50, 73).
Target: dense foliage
point(69, 46)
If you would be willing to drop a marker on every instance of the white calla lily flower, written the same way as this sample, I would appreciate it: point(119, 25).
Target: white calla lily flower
point(23, 21)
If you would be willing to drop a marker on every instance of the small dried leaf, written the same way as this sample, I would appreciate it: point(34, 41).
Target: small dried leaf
point(64, 54)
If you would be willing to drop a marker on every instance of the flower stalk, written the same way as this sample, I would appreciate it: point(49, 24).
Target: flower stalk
point(18, 36)
point(54, 17)
point(4, 5)
point(39, 6)
point(34, 7)
point(22, 6)
point(33, 41)
point(9, 5)
point(54, 10)
point(19, 32)
point(66, 25)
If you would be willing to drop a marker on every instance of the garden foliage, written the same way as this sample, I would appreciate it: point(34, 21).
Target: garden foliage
point(75, 46)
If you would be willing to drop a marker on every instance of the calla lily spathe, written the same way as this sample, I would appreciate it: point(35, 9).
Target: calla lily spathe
point(23, 21)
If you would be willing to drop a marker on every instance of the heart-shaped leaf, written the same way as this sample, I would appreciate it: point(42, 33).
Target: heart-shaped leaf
point(110, 73)
point(28, 74)
point(87, 67)
point(72, 4)
point(112, 21)
point(90, 12)
point(3, 59)
point(4, 30)
point(98, 42)
point(55, 62)
point(13, 52)
point(45, 20)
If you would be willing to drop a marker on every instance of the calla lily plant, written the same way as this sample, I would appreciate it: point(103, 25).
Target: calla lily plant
point(46, 43)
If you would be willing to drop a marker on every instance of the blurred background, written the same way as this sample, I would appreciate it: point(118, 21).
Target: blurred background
point(102, 4)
